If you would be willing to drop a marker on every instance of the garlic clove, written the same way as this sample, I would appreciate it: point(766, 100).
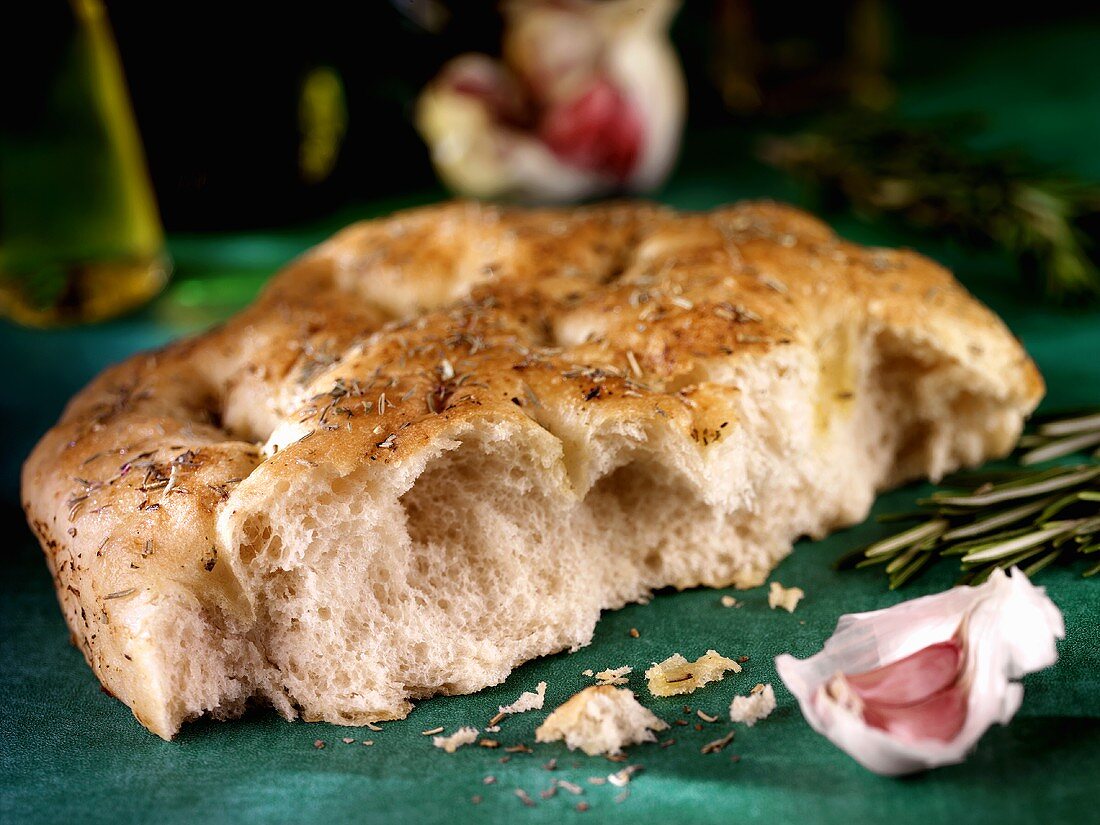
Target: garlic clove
point(912, 679)
point(588, 100)
point(916, 685)
point(597, 130)
point(940, 716)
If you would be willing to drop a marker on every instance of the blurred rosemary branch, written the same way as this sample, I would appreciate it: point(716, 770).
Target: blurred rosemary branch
point(924, 174)
point(1027, 517)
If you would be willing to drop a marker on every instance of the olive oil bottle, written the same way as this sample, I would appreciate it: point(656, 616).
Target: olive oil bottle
point(80, 235)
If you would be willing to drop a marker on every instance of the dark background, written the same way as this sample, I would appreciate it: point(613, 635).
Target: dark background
point(215, 88)
point(216, 85)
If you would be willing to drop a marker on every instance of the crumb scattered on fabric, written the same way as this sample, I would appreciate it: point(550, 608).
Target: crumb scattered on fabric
point(527, 701)
point(676, 675)
point(785, 597)
point(730, 601)
point(601, 719)
point(462, 736)
point(620, 778)
point(613, 676)
point(752, 708)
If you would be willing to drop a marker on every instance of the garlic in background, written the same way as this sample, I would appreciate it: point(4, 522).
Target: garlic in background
point(588, 99)
point(916, 685)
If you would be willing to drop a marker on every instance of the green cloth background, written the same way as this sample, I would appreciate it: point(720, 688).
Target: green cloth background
point(71, 753)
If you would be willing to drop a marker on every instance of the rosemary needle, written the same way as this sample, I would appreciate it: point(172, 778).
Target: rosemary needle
point(923, 174)
point(1077, 424)
point(1061, 447)
point(1001, 518)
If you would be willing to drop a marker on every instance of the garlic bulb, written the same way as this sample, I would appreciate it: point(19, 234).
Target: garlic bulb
point(916, 685)
point(589, 99)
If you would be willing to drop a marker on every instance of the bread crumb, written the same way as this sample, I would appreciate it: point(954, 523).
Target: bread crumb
point(601, 719)
point(613, 676)
point(676, 675)
point(621, 778)
point(462, 736)
point(785, 597)
point(729, 601)
point(752, 708)
point(527, 701)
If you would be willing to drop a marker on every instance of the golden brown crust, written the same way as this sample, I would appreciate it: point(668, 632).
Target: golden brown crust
point(369, 347)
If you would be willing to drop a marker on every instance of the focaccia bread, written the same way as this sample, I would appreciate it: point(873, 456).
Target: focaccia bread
point(439, 444)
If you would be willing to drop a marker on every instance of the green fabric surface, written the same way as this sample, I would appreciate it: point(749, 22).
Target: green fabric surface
point(69, 752)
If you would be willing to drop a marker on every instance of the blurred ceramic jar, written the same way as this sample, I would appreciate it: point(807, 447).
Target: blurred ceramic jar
point(587, 100)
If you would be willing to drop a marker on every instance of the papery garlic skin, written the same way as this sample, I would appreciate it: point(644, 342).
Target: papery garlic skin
point(1007, 627)
point(589, 99)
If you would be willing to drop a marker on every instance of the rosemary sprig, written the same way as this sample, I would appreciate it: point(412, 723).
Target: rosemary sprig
point(1027, 517)
point(924, 174)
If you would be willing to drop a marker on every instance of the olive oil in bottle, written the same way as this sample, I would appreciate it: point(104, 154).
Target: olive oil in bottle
point(80, 235)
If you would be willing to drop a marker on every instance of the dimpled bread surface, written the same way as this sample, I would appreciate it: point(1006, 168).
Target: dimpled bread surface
point(440, 443)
